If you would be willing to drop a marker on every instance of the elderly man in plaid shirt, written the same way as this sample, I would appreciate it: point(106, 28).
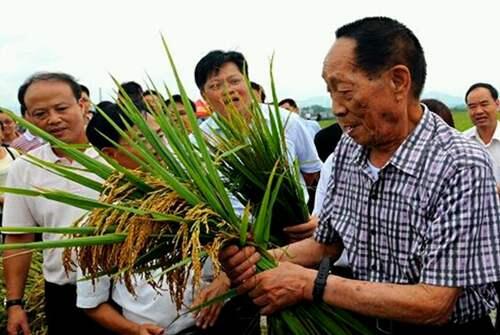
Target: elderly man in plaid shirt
point(410, 200)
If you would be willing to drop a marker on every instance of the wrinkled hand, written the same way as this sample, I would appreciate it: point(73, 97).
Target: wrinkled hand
point(149, 329)
point(17, 321)
point(280, 287)
point(239, 264)
point(301, 231)
point(206, 317)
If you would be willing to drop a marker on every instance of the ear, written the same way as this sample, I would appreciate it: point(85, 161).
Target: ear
point(80, 103)
point(400, 78)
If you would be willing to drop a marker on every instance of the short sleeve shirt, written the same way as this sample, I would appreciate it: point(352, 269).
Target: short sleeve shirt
point(24, 211)
point(432, 216)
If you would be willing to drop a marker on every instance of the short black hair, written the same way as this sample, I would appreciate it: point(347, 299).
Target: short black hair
point(152, 92)
point(48, 76)
point(177, 98)
point(85, 89)
point(259, 89)
point(133, 90)
point(99, 125)
point(439, 108)
point(382, 43)
point(289, 101)
point(489, 87)
point(104, 104)
point(213, 61)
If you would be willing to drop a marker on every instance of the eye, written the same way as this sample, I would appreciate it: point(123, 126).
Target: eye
point(214, 86)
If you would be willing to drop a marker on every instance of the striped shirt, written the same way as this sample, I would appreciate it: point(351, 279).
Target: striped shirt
point(432, 216)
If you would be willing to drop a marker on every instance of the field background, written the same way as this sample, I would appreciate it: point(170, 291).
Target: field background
point(460, 116)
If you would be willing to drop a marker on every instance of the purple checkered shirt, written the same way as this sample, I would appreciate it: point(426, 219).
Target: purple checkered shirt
point(432, 216)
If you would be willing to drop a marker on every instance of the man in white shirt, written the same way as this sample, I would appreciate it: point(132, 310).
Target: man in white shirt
point(220, 77)
point(52, 101)
point(312, 126)
point(483, 106)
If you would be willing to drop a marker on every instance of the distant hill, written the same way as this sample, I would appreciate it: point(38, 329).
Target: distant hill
point(323, 101)
point(450, 100)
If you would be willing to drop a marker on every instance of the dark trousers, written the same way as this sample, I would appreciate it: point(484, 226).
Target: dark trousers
point(63, 317)
point(238, 317)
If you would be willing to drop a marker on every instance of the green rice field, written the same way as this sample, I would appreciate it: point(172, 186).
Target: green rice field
point(460, 116)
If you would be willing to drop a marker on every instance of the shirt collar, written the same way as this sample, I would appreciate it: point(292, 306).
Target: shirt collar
point(474, 134)
point(413, 146)
point(53, 158)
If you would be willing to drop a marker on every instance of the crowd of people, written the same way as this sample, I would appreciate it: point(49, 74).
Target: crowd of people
point(405, 223)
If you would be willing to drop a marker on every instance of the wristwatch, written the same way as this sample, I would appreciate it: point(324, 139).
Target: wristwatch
point(13, 302)
point(320, 282)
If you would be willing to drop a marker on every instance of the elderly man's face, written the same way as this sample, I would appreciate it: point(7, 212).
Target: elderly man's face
point(366, 108)
point(225, 88)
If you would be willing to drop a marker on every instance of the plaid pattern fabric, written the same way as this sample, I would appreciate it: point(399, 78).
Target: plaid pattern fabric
point(432, 216)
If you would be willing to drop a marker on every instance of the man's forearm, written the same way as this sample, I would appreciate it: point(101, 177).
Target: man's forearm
point(16, 266)
point(420, 303)
point(307, 252)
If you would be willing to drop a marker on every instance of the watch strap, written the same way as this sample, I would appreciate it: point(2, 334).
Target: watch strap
point(320, 281)
point(14, 302)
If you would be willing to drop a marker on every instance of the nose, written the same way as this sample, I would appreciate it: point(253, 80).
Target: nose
point(338, 109)
point(53, 118)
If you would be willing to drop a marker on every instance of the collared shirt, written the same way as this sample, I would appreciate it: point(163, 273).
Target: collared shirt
point(431, 217)
point(312, 126)
point(23, 211)
point(27, 142)
point(146, 305)
point(493, 147)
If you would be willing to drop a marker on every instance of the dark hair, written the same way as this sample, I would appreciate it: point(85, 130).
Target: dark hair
point(381, 43)
point(213, 61)
point(85, 89)
point(440, 109)
point(489, 87)
point(133, 90)
point(152, 92)
point(99, 125)
point(177, 98)
point(104, 104)
point(289, 101)
point(259, 89)
point(48, 76)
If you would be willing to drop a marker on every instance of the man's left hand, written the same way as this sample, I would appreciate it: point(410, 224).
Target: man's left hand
point(301, 231)
point(280, 287)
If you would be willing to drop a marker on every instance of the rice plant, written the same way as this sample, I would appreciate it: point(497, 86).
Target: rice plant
point(174, 211)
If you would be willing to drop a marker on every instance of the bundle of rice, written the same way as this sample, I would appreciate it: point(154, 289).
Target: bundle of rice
point(172, 213)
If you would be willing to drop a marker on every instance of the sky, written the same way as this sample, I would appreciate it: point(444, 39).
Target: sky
point(93, 40)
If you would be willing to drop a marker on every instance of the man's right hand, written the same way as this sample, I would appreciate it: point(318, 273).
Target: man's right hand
point(17, 321)
point(150, 329)
point(239, 264)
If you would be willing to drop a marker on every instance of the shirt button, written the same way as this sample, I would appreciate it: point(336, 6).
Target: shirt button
point(373, 267)
point(372, 231)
